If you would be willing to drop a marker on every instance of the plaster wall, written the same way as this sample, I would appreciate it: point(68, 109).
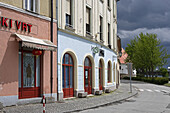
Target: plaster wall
point(9, 58)
point(82, 49)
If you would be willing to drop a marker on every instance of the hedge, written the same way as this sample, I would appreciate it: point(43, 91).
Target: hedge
point(156, 80)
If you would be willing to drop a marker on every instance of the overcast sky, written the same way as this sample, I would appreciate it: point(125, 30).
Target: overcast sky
point(151, 16)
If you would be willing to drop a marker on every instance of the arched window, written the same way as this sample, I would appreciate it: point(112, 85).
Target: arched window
point(88, 75)
point(100, 75)
point(68, 76)
point(114, 71)
point(109, 73)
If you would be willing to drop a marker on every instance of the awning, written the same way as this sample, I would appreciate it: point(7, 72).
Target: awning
point(35, 43)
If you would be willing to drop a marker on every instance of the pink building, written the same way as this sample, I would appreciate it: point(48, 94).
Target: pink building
point(124, 66)
point(25, 46)
point(123, 57)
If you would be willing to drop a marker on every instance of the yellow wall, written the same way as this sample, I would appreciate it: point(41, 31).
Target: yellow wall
point(44, 6)
point(17, 3)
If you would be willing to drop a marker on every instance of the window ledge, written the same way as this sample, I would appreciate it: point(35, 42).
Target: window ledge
point(70, 28)
point(109, 83)
point(101, 41)
point(89, 35)
point(108, 7)
point(102, 1)
point(109, 46)
point(114, 16)
point(31, 11)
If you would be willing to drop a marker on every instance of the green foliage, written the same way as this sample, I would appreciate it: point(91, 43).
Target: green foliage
point(168, 84)
point(163, 72)
point(146, 53)
point(157, 80)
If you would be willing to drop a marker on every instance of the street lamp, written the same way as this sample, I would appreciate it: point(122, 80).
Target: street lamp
point(120, 54)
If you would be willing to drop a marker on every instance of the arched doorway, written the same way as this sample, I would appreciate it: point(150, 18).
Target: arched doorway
point(88, 75)
point(68, 75)
point(100, 75)
point(109, 74)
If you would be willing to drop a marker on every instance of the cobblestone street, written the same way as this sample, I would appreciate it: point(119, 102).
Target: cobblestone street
point(76, 104)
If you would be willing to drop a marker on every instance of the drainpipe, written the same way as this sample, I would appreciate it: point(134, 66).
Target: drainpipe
point(57, 45)
point(51, 51)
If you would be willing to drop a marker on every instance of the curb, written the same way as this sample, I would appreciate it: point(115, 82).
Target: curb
point(103, 105)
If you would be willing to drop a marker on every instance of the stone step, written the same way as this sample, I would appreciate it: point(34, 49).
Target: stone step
point(98, 92)
point(82, 94)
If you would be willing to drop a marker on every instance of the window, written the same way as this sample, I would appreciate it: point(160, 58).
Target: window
point(109, 73)
point(101, 28)
point(31, 5)
point(88, 20)
point(88, 76)
point(108, 3)
point(114, 71)
point(29, 74)
point(69, 13)
point(113, 9)
point(109, 36)
point(114, 39)
point(100, 75)
point(67, 76)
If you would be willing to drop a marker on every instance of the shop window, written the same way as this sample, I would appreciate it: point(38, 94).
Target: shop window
point(67, 75)
point(29, 74)
point(32, 5)
point(88, 30)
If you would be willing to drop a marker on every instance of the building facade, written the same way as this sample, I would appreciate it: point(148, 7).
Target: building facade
point(25, 51)
point(124, 65)
point(87, 41)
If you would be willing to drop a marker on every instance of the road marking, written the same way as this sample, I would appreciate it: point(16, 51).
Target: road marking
point(164, 91)
point(158, 91)
point(141, 90)
point(149, 90)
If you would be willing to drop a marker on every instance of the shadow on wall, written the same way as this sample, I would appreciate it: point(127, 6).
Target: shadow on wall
point(8, 61)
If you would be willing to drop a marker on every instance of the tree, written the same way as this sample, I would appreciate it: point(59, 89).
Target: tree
point(163, 72)
point(146, 53)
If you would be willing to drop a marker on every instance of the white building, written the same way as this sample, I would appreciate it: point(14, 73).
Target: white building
point(87, 46)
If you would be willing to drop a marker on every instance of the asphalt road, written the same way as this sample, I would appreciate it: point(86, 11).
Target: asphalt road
point(150, 99)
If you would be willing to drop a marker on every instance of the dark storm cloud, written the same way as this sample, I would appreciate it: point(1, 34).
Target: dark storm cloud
point(133, 14)
point(147, 16)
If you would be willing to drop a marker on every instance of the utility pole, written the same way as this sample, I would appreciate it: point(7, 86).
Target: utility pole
point(130, 75)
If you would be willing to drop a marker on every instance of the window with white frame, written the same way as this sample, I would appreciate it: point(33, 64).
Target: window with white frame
point(108, 31)
point(69, 13)
point(88, 30)
point(101, 28)
point(108, 3)
point(32, 5)
point(113, 9)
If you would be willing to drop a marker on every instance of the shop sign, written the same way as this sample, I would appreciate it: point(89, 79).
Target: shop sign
point(95, 49)
point(8, 23)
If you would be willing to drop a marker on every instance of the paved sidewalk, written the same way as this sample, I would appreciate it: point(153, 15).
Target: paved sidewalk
point(76, 104)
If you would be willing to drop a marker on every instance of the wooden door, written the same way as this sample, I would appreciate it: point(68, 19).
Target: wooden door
point(100, 76)
point(88, 80)
point(88, 76)
point(68, 79)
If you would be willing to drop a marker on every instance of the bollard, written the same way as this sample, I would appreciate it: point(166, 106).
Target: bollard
point(43, 103)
